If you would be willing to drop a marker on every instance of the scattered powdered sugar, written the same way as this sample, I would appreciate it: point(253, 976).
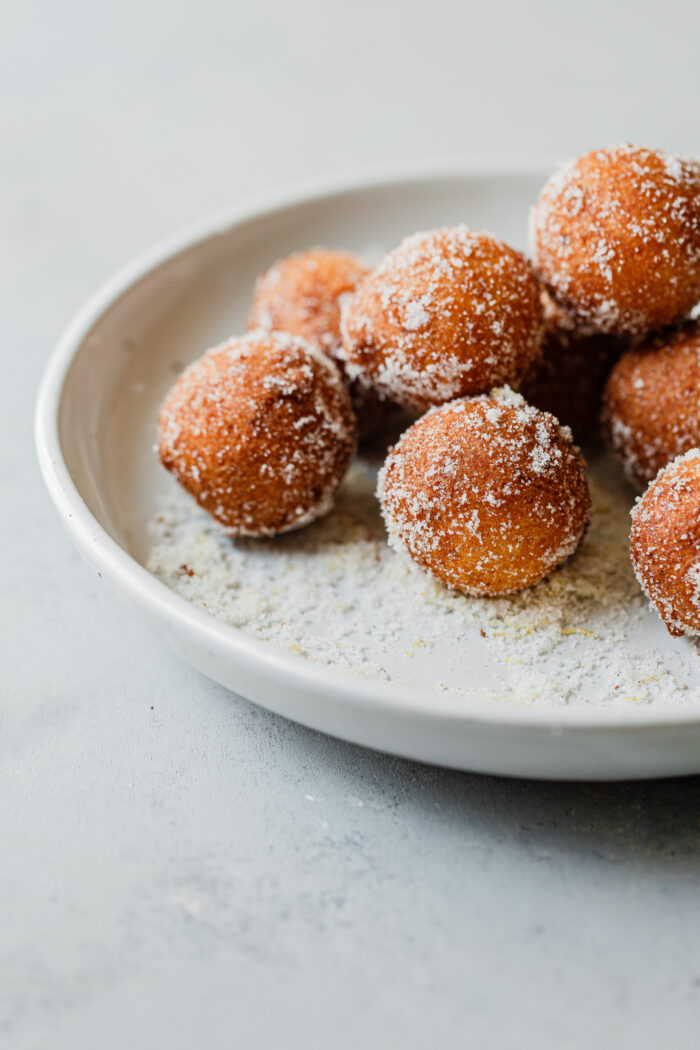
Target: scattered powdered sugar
point(415, 315)
point(339, 596)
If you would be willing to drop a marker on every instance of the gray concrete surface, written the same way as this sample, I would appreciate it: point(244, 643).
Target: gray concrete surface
point(178, 868)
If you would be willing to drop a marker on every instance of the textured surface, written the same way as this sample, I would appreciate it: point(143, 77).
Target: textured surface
point(303, 292)
point(664, 543)
point(469, 469)
point(448, 313)
point(616, 238)
point(177, 866)
point(340, 595)
point(651, 408)
point(260, 431)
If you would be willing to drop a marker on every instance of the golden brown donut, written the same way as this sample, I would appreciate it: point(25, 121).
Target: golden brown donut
point(448, 313)
point(665, 544)
point(569, 378)
point(616, 238)
point(487, 494)
point(302, 294)
point(651, 405)
point(260, 431)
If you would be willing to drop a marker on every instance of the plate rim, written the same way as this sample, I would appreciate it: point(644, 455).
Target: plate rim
point(98, 546)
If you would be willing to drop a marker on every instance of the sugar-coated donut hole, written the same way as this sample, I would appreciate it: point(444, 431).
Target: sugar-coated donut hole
point(302, 294)
point(260, 431)
point(616, 238)
point(486, 494)
point(651, 404)
point(665, 544)
point(449, 313)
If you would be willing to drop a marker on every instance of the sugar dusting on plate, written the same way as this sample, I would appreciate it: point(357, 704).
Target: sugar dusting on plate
point(338, 595)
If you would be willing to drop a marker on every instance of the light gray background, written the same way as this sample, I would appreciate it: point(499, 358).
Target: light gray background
point(178, 868)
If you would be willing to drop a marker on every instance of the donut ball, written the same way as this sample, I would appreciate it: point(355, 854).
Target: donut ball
point(616, 238)
point(448, 313)
point(569, 378)
point(302, 294)
point(260, 431)
point(665, 543)
point(651, 406)
point(486, 494)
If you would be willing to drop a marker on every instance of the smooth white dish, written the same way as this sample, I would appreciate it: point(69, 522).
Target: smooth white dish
point(574, 679)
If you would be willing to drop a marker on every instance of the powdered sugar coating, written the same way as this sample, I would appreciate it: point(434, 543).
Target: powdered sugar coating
point(652, 402)
point(449, 313)
point(487, 494)
point(260, 431)
point(665, 543)
point(616, 238)
point(302, 294)
point(338, 596)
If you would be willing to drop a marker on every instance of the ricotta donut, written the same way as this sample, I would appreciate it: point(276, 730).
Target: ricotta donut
point(651, 405)
point(260, 431)
point(665, 543)
point(302, 294)
point(449, 313)
point(616, 238)
point(486, 494)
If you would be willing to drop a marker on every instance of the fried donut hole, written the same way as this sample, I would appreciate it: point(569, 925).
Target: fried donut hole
point(448, 313)
point(260, 431)
point(486, 494)
point(616, 238)
point(651, 405)
point(665, 544)
point(302, 294)
point(569, 378)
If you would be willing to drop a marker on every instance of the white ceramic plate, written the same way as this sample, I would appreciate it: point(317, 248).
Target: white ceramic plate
point(95, 431)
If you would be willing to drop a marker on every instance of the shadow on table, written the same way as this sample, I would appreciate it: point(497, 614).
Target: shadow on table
point(651, 823)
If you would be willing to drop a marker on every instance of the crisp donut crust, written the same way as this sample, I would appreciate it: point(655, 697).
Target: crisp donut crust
point(616, 238)
point(302, 294)
point(260, 431)
point(651, 405)
point(449, 313)
point(486, 494)
point(665, 544)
